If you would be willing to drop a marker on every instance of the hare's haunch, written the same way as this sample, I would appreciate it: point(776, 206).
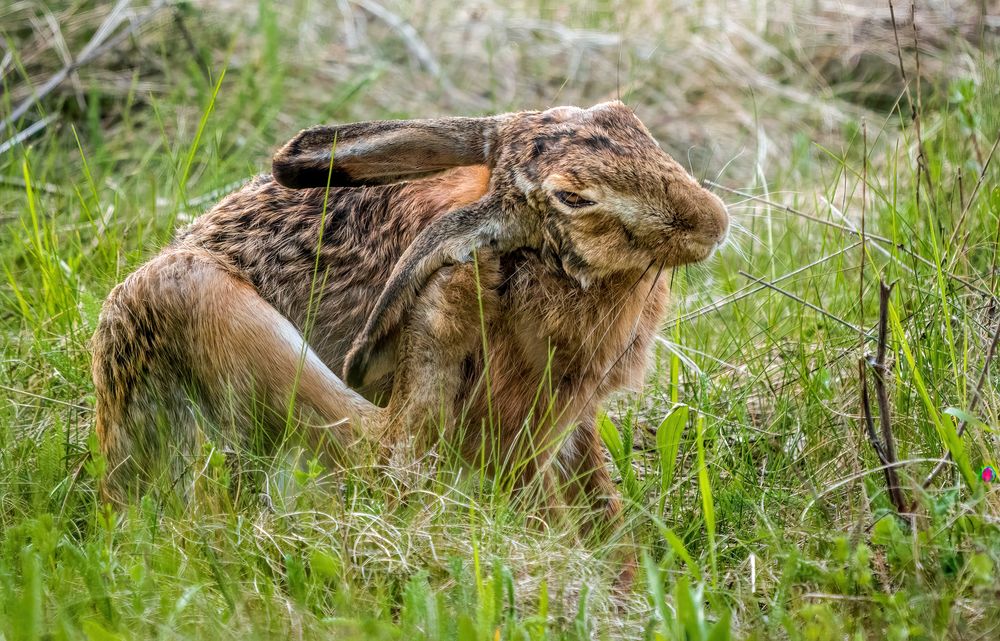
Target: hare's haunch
point(385, 251)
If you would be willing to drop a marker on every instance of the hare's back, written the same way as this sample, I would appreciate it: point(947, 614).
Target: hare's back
point(313, 249)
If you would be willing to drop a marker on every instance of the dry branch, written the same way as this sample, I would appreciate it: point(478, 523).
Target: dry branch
point(886, 447)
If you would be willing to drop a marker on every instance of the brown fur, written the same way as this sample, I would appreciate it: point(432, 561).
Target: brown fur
point(380, 285)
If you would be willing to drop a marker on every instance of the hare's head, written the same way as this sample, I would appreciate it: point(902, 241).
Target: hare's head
point(608, 198)
point(588, 187)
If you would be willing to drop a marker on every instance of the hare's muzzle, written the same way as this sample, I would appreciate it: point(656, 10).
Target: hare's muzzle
point(703, 216)
point(716, 216)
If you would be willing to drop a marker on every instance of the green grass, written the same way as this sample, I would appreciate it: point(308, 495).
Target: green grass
point(753, 496)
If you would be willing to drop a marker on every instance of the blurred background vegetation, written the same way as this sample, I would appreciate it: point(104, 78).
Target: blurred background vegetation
point(854, 142)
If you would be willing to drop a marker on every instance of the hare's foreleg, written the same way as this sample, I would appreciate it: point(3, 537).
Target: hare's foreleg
point(183, 344)
point(586, 482)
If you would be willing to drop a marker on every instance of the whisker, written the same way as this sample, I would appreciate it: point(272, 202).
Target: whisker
point(738, 228)
point(748, 290)
point(729, 162)
point(739, 251)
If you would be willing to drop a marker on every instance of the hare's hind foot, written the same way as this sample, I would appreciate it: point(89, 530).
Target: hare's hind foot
point(184, 343)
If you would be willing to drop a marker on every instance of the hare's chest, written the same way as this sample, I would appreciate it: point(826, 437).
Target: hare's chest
point(581, 337)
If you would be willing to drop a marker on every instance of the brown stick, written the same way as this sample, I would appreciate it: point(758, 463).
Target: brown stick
point(972, 198)
point(882, 396)
point(866, 413)
point(886, 447)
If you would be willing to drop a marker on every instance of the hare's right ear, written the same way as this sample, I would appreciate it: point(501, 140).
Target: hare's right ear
point(382, 152)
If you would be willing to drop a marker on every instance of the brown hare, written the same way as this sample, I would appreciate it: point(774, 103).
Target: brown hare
point(497, 276)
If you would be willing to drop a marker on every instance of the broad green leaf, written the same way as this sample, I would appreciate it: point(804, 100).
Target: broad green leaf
point(721, 631)
point(668, 442)
point(962, 415)
point(611, 436)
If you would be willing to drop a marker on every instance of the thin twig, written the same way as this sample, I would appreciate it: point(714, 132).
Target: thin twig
point(737, 296)
point(28, 132)
point(82, 408)
point(19, 183)
point(793, 211)
point(867, 417)
point(973, 403)
point(853, 477)
point(972, 197)
point(879, 248)
point(899, 55)
point(917, 123)
point(802, 301)
point(851, 230)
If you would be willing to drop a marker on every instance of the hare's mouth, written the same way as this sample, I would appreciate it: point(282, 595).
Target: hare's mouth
point(692, 250)
point(703, 250)
point(707, 243)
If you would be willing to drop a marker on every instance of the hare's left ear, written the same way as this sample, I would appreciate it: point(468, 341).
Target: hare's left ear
point(382, 152)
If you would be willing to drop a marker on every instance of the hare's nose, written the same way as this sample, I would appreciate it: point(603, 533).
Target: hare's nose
point(703, 213)
point(718, 217)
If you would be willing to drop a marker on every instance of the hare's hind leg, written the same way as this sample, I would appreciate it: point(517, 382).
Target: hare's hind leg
point(443, 331)
point(184, 343)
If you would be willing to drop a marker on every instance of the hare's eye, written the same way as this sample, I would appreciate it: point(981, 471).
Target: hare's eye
point(570, 199)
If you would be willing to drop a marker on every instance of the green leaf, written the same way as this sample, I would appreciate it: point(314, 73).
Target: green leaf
point(677, 545)
point(655, 585)
point(945, 429)
point(97, 632)
point(721, 631)
point(705, 487)
point(611, 437)
point(688, 610)
point(668, 442)
point(323, 565)
point(962, 415)
point(621, 455)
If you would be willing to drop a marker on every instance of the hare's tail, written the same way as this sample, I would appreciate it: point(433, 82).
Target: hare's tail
point(185, 344)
